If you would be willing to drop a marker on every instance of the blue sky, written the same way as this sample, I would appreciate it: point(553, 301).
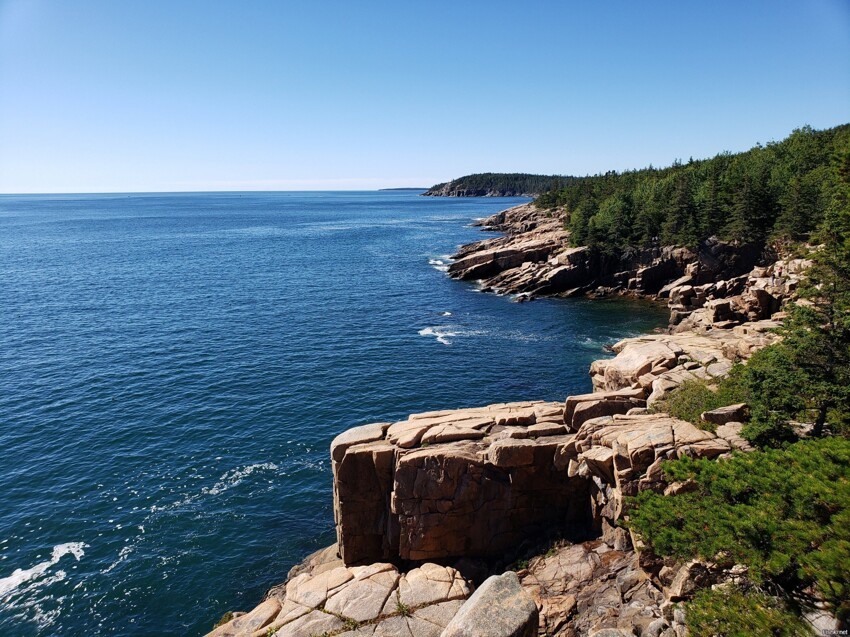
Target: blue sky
point(119, 96)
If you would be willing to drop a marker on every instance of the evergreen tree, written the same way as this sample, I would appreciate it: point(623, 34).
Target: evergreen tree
point(778, 190)
point(680, 226)
point(818, 331)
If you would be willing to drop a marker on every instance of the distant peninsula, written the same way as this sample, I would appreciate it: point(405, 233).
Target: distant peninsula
point(499, 185)
point(404, 188)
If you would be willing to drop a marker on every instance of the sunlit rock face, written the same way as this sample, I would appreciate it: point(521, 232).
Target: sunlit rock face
point(469, 482)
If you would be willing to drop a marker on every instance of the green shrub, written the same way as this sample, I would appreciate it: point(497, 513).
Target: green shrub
point(768, 429)
point(769, 383)
point(692, 398)
point(731, 612)
point(785, 513)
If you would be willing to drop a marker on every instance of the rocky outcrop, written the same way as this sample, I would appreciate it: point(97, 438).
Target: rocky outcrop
point(585, 588)
point(480, 483)
point(534, 258)
point(723, 304)
point(477, 482)
point(658, 363)
point(374, 600)
point(469, 482)
point(532, 255)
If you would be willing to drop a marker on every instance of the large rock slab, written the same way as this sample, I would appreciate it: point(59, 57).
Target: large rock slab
point(574, 402)
point(635, 357)
point(731, 413)
point(499, 608)
point(454, 483)
point(368, 600)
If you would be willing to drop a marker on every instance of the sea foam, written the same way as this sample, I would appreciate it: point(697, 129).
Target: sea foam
point(21, 576)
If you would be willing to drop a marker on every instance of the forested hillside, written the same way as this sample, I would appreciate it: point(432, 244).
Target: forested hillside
point(777, 191)
point(498, 185)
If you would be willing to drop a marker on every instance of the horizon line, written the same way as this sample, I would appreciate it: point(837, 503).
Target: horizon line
point(202, 192)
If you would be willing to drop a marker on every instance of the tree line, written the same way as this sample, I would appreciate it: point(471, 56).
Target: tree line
point(499, 184)
point(774, 192)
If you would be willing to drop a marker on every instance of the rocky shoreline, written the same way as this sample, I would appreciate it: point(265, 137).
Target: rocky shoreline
point(533, 258)
point(505, 519)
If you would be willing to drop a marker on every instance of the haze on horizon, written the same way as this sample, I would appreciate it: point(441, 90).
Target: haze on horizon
point(99, 96)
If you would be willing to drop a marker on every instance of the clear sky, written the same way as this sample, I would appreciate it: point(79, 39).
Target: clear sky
point(287, 95)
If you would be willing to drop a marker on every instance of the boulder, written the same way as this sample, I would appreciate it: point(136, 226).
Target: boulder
point(586, 410)
point(731, 413)
point(573, 402)
point(731, 433)
point(498, 608)
point(691, 577)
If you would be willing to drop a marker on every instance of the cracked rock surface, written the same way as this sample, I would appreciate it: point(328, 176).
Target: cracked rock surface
point(374, 600)
point(456, 483)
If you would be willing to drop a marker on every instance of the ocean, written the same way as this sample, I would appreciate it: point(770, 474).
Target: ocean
point(173, 368)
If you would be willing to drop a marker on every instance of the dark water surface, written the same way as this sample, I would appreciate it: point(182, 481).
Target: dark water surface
point(173, 368)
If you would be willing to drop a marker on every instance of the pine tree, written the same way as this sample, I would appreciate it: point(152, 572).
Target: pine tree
point(680, 226)
point(818, 330)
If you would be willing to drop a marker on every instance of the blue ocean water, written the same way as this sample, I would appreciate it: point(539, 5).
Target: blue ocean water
point(173, 368)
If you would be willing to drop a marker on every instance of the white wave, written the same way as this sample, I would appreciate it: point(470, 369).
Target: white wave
point(234, 477)
point(445, 313)
point(228, 480)
point(592, 343)
point(439, 264)
point(21, 576)
point(444, 333)
point(122, 556)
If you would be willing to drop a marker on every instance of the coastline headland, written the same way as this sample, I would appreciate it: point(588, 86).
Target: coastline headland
point(506, 519)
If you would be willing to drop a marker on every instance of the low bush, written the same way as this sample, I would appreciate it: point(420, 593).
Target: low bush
point(785, 513)
point(731, 612)
point(694, 397)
